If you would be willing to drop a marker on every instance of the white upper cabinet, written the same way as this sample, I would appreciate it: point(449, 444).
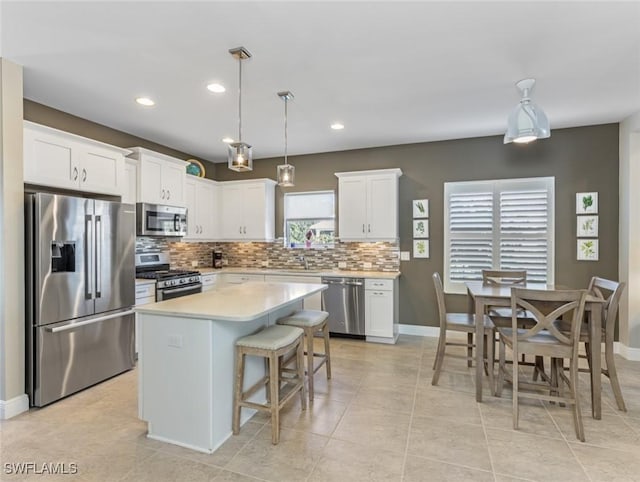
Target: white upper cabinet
point(368, 205)
point(160, 178)
point(129, 184)
point(60, 159)
point(247, 210)
point(201, 198)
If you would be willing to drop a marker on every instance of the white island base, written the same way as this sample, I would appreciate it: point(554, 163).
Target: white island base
point(187, 356)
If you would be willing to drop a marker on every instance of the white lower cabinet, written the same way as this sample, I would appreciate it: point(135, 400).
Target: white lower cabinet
point(145, 294)
point(313, 302)
point(381, 310)
point(209, 281)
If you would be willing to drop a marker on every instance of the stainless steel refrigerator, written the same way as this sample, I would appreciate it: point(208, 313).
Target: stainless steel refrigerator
point(80, 273)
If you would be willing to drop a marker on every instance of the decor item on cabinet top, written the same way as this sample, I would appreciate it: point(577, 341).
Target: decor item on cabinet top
point(240, 158)
point(587, 203)
point(195, 168)
point(527, 122)
point(285, 173)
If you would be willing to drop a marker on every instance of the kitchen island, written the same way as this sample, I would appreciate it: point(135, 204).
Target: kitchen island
point(186, 359)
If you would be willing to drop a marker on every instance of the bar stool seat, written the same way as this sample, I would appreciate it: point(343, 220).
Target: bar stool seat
point(272, 343)
point(313, 322)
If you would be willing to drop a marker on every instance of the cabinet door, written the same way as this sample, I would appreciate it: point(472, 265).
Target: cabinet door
point(378, 313)
point(129, 183)
point(207, 206)
point(101, 170)
point(150, 181)
point(253, 211)
point(352, 209)
point(173, 179)
point(193, 228)
point(382, 208)
point(231, 219)
point(50, 160)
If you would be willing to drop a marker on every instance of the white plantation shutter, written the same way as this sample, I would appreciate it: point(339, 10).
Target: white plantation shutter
point(505, 224)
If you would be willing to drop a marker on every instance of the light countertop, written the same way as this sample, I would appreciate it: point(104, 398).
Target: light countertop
point(303, 272)
point(238, 302)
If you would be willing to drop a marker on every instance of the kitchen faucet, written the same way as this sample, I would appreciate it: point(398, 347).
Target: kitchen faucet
point(303, 260)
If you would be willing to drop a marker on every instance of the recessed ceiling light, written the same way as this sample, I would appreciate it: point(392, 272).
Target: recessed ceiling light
point(227, 140)
point(145, 101)
point(337, 126)
point(217, 88)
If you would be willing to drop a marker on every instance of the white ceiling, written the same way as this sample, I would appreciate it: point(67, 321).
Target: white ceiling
point(392, 72)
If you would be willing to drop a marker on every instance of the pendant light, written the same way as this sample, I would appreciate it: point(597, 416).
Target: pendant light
point(285, 172)
point(527, 122)
point(239, 153)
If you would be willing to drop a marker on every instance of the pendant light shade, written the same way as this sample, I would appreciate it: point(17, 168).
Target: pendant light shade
point(527, 122)
point(239, 153)
point(286, 173)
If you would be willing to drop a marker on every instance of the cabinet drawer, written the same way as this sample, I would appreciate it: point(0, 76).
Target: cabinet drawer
point(146, 300)
point(209, 279)
point(144, 291)
point(378, 284)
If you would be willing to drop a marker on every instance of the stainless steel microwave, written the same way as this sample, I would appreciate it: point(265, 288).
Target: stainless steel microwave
point(160, 220)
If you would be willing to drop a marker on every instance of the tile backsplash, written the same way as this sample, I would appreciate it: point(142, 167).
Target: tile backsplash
point(382, 256)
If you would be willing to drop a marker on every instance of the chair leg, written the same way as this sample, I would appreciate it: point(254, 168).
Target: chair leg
point(501, 368)
point(613, 376)
point(300, 367)
point(490, 340)
point(577, 414)
point(308, 334)
point(274, 386)
point(469, 349)
point(515, 390)
point(437, 365)
point(559, 371)
point(327, 353)
point(237, 393)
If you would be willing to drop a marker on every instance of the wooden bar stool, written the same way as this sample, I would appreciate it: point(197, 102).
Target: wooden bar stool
point(271, 343)
point(312, 322)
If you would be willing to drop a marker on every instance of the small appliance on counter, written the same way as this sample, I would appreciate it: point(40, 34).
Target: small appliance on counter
point(217, 259)
point(170, 283)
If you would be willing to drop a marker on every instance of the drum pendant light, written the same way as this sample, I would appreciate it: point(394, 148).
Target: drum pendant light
point(527, 122)
point(285, 172)
point(239, 153)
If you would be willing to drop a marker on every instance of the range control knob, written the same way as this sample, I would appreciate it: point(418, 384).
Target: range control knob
point(182, 281)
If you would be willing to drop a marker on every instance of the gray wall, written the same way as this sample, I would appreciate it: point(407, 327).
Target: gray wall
point(581, 159)
point(48, 116)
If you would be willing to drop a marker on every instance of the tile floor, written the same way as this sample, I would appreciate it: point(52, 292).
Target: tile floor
point(379, 418)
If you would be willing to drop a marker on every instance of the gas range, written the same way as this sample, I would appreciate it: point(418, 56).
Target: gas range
point(171, 283)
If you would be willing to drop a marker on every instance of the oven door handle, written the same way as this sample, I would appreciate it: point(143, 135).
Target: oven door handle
point(176, 222)
point(181, 289)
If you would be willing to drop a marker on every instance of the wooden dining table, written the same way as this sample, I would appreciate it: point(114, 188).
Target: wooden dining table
point(482, 295)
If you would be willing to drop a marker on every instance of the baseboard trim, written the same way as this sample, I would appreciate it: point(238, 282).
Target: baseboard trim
point(13, 407)
point(627, 352)
point(420, 330)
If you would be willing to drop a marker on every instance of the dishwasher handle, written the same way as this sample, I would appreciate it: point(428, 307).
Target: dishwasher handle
point(342, 282)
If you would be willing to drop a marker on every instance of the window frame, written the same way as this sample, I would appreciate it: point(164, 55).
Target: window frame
point(497, 186)
point(285, 219)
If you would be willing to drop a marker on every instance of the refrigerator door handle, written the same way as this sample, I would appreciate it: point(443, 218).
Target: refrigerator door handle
point(99, 238)
point(73, 326)
point(88, 257)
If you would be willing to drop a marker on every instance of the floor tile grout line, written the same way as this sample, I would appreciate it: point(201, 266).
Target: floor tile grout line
point(486, 436)
point(413, 409)
point(453, 464)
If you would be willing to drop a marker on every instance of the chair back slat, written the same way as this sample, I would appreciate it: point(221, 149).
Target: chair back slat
point(442, 311)
point(546, 307)
point(504, 277)
point(611, 291)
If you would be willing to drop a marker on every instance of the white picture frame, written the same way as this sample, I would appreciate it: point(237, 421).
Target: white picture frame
point(587, 250)
point(420, 228)
point(421, 248)
point(420, 208)
point(587, 203)
point(587, 226)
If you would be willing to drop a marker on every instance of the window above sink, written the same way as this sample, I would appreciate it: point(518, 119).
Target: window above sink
point(309, 219)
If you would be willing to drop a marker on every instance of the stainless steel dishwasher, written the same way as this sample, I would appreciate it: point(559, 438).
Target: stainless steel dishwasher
point(344, 300)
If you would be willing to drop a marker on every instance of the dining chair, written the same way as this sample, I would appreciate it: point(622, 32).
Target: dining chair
point(460, 322)
point(610, 291)
point(544, 339)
